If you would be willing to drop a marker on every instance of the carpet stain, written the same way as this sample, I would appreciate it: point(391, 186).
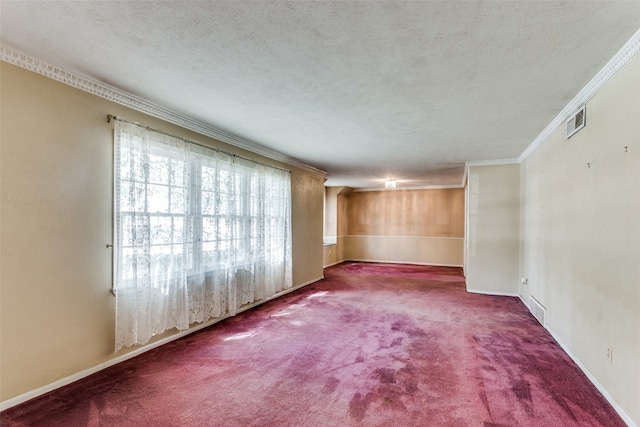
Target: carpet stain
point(305, 360)
point(358, 405)
point(370, 345)
point(385, 375)
point(330, 385)
point(396, 342)
point(522, 389)
point(562, 403)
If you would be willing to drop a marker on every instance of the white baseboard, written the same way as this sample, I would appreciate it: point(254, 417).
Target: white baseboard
point(334, 263)
point(625, 417)
point(497, 294)
point(402, 262)
point(83, 374)
point(526, 304)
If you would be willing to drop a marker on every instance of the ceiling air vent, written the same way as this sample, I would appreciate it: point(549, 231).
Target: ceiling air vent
point(575, 122)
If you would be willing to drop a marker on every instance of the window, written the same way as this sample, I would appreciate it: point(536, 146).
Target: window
point(198, 233)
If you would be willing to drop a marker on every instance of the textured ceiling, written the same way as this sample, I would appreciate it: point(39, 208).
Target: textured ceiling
point(363, 90)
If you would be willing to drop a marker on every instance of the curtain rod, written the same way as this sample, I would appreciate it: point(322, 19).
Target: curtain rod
point(190, 141)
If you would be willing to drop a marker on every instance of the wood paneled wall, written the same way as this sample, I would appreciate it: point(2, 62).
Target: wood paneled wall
point(416, 213)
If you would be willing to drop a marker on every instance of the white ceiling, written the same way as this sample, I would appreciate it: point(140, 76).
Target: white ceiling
point(364, 90)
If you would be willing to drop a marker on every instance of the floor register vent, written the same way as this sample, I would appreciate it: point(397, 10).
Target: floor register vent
point(576, 122)
point(537, 310)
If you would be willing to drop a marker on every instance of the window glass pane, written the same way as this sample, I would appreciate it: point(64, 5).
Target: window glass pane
point(177, 173)
point(128, 263)
point(140, 224)
point(254, 204)
point(125, 163)
point(126, 230)
point(138, 163)
point(135, 264)
point(134, 229)
point(178, 230)
point(224, 228)
point(209, 254)
point(158, 198)
point(224, 181)
point(160, 257)
point(160, 230)
point(177, 200)
point(208, 203)
point(222, 204)
point(224, 245)
point(126, 201)
point(235, 204)
point(208, 179)
point(189, 258)
point(138, 196)
point(209, 230)
point(177, 258)
point(158, 170)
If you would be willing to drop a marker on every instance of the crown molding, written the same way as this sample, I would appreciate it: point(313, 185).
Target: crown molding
point(616, 64)
point(128, 100)
point(495, 162)
point(620, 60)
point(464, 175)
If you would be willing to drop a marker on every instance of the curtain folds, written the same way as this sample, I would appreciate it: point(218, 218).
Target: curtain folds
point(198, 233)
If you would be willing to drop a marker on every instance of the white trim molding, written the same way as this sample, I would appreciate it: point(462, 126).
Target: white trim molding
point(620, 60)
point(496, 162)
point(379, 261)
point(492, 293)
point(476, 163)
point(128, 100)
point(404, 237)
point(465, 175)
point(625, 417)
point(332, 264)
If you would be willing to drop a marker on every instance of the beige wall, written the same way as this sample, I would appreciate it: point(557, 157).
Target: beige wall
point(581, 237)
point(334, 253)
point(57, 311)
point(493, 239)
point(407, 226)
point(336, 208)
point(331, 214)
point(407, 250)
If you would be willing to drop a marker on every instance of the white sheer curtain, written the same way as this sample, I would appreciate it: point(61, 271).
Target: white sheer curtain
point(198, 233)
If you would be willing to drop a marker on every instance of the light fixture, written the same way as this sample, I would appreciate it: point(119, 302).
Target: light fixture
point(390, 184)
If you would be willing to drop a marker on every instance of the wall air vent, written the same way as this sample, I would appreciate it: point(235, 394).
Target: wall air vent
point(538, 310)
point(576, 122)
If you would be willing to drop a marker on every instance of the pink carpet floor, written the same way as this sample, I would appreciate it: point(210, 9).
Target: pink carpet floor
point(371, 345)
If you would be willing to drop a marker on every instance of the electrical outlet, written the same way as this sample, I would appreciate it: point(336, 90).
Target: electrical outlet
point(610, 354)
point(524, 281)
